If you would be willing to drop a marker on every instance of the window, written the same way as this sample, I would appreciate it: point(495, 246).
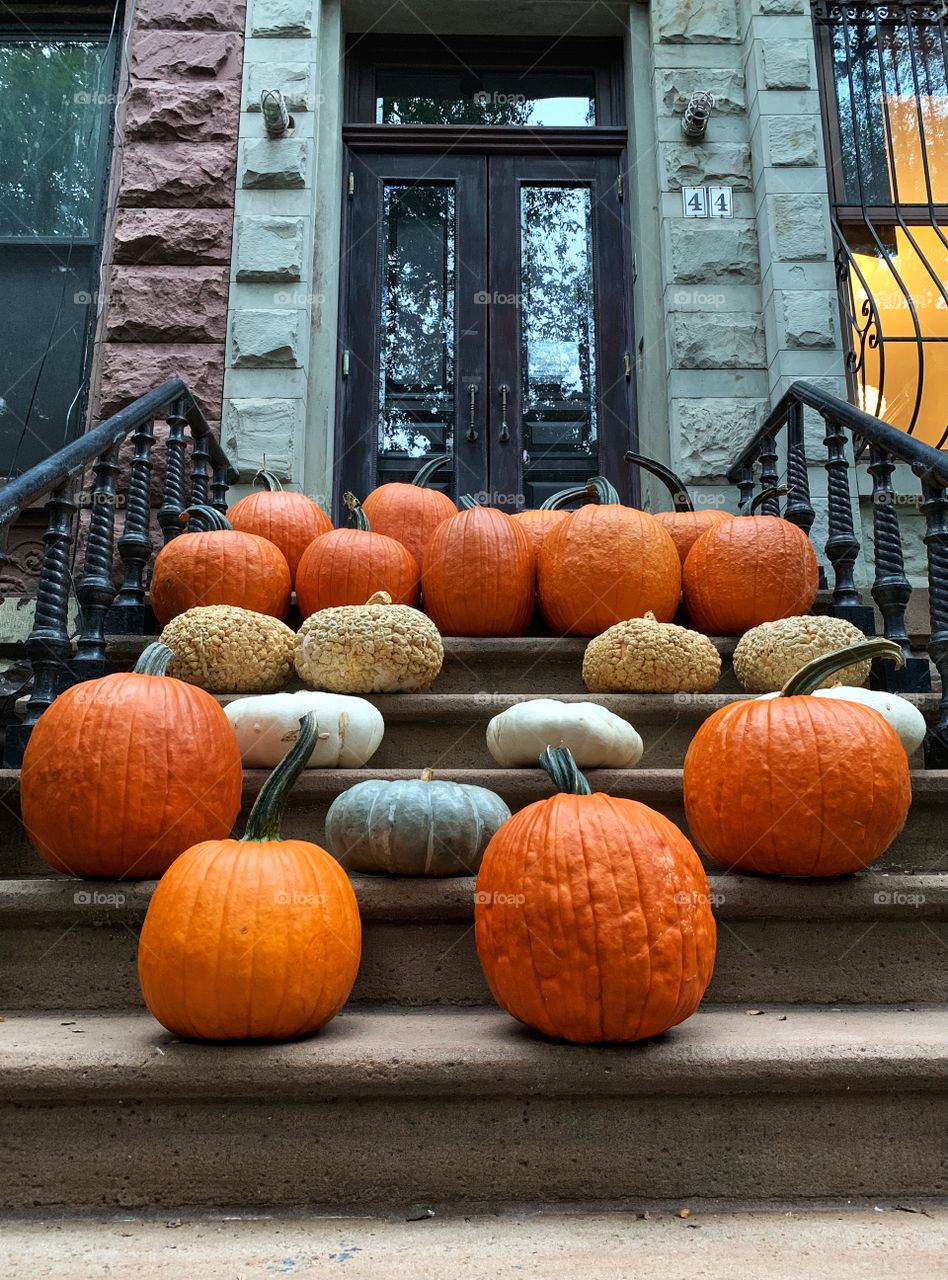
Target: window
point(56, 105)
point(884, 78)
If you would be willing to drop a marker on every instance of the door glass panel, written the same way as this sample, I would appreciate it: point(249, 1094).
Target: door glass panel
point(540, 98)
point(558, 340)
point(416, 365)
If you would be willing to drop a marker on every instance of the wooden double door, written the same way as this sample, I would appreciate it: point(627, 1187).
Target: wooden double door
point(487, 315)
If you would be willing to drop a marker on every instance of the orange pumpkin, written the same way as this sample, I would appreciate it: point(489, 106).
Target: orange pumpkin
point(746, 571)
point(799, 786)
point(289, 520)
point(123, 773)
point(605, 564)
point(347, 566)
point(252, 939)
point(592, 915)
point(479, 575)
point(219, 566)
point(410, 513)
point(537, 523)
point(684, 524)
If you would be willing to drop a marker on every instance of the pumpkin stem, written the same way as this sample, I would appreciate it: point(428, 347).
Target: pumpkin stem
point(209, 515)
point(266, 816)
point(563, 770)
point(679, 494)
point(597, 489)
point(767, 493)
point(270, 481)
point(468, 503)
point(424, 474)
point(356, 514)
point(427, 775)
point(379, 597)
point(154, 660)
point(814, 673)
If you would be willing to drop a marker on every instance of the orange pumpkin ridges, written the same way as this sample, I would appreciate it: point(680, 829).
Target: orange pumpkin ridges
point(538, 522)
point(219, 566)
point(795, 785)
point(746, 571)
point(684, 524)
point(479, 575)
point(252, 939)
point(347, 566)
point(123, 773)
point(410, 513)
point(592, 915)
point(289, 520)
point(605, 564)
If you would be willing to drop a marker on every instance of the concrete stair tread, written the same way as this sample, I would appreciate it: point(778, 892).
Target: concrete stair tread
point(379, 1052)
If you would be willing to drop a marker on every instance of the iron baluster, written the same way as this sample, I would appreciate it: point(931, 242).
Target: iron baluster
point(200, 471)
point(96, 590)
point(218, 498)
point(49, 647)
point(935, 509)
point(746, 486)
point(842, 545)
point(128, 609)
point(799, 510)
point(174, 492)
point(769, 475)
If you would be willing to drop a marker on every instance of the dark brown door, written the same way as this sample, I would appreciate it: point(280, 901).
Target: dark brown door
point(485, 317)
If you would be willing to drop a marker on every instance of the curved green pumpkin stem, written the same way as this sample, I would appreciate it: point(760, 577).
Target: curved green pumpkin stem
point(597, 489)
point(778, 492)
point(679, 494)
point(209, 515)
point(270, 482)
point(564, 772)
point(154, 660)
point(814, 673)
point(266, 816)
point(424, 474)
point(356, 514)
point(468, 503)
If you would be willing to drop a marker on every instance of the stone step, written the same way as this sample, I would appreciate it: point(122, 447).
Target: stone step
point(466, 1105)
point(922, 846)
point(877, 939)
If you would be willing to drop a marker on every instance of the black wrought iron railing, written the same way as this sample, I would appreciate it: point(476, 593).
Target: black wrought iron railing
point(84, 475)
point(777, 455)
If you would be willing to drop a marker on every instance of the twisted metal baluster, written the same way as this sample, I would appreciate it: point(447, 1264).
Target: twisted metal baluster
point(127, 615)
point(96, 591)
point(746, 486)
point(173, 499)
point(842, 545)
point(219, 488)
point(935, 508)
point(48, 647)
point(200, 471)
point(769, 475)
point(799, 510)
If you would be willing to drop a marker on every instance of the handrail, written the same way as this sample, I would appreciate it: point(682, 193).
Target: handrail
point(891, 589)
point(18, 494)
point(928, 464)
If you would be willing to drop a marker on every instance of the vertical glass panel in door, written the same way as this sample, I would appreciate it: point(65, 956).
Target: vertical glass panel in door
point(417, 355)
point(558, 340)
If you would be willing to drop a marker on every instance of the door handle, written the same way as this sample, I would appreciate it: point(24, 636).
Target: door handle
point(504, 433)
point(472, 430)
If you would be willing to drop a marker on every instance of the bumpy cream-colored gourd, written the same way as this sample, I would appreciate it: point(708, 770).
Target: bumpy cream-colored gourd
point(224, 649)
point(597, 738)
point(376, 647)
point(768, 655)
point(350, 729)
point(642, 655)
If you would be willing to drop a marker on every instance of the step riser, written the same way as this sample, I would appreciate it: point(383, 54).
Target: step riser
point(415, 1149)
point(73, 966)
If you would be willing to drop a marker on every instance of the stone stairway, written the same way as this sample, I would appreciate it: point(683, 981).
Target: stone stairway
point(815, 1067)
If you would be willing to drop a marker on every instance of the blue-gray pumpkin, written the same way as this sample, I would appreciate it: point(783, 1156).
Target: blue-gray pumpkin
point(413, 827)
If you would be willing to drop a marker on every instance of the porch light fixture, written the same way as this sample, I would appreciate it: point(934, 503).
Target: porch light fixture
point(697, 113)
point(276, 117)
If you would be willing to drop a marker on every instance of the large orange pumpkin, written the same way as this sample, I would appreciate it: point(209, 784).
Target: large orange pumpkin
point(479, 575)
point(252, 939)
point(592, 915)
point(684, 524)
point(538, 522)
point(347, 566)
point(410, 513)
point(605, 564)
point(219, 566)
point(289, 520)
point(122, 774)
point(746, 571)
point(799, 786)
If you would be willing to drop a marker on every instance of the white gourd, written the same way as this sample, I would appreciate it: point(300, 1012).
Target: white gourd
point(350, 729)
point(597, 738)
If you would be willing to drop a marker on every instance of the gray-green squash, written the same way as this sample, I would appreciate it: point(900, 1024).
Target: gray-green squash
point(413, 827)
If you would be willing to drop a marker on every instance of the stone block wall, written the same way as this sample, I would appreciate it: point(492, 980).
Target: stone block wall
point(168, 249)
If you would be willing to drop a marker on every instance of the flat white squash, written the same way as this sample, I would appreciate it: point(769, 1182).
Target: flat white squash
point(597, 738)
point(350, 729)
